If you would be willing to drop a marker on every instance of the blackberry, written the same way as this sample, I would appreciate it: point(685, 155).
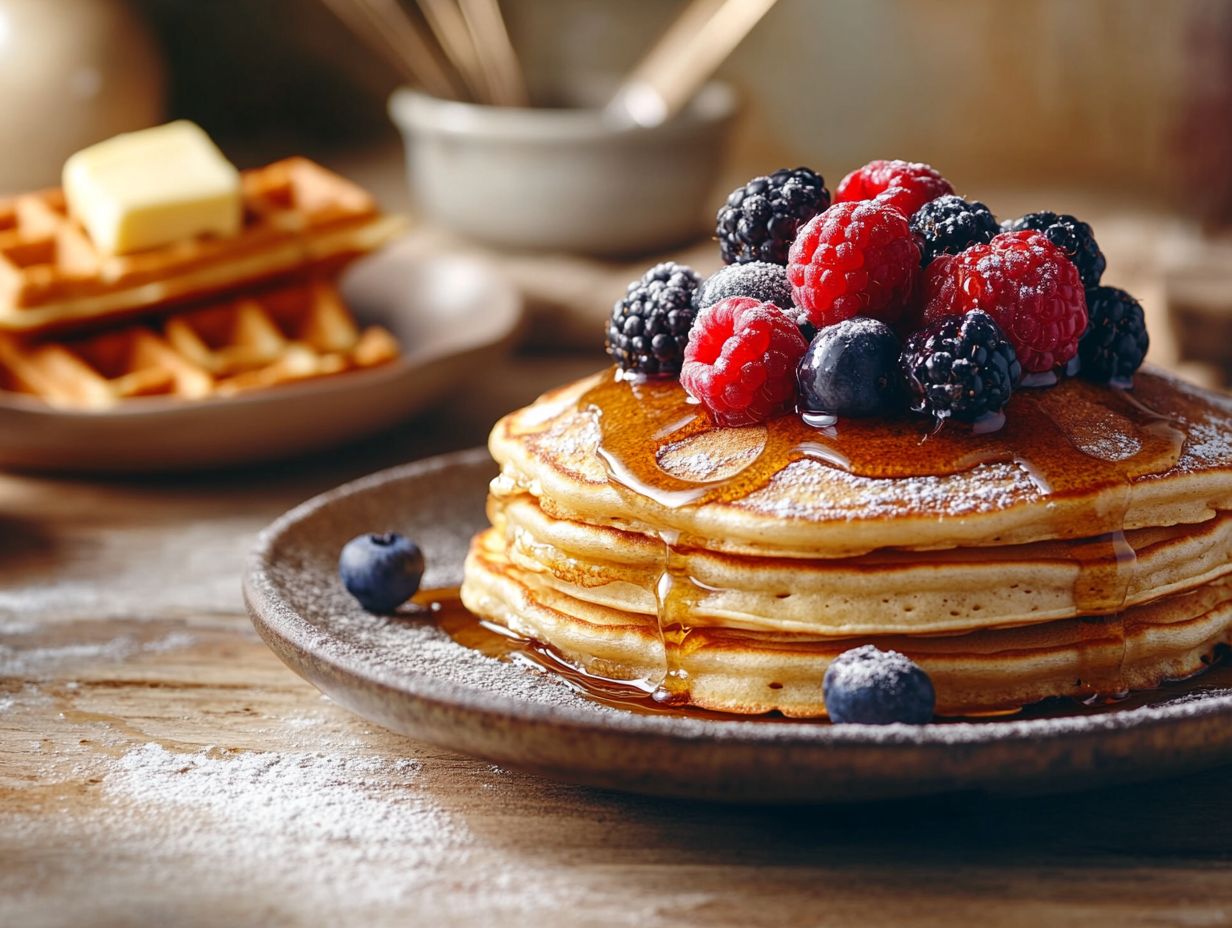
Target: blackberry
point(1116, 339)
point(950, 224)
point(761, 280)
point(960, 367)
point(1072, 236)
point(649, 327)
point(759, 221)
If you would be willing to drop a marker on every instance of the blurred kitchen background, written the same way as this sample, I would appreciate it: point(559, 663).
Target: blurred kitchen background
point(1117, 110)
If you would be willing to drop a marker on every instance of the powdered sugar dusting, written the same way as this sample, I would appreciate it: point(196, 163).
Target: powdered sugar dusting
point(284, 798)
point(1209, 444)
point(987, 488)
point(1111, 446)
point(38, 662)
point(262, 825)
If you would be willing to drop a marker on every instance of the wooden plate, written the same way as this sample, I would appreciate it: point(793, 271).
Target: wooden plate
point(450, 314)
point(406, 674)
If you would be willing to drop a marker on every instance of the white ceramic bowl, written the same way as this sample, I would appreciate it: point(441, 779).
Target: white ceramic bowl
point(565, 179)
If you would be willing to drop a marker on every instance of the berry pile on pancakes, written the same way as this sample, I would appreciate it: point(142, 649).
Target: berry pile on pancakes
point(871, 428)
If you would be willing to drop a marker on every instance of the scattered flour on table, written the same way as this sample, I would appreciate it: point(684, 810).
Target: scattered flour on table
point(276, 816)
point(28, 696)
point(33, 662)
point(17, 627)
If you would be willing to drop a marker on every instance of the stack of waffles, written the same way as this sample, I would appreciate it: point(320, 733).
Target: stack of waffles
point(202, 317)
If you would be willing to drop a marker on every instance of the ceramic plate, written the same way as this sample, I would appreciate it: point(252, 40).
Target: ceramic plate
point(450, 314)
point(406, 674)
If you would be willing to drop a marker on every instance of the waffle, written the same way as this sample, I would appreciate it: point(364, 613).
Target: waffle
point(258, 341)
point(297, 217)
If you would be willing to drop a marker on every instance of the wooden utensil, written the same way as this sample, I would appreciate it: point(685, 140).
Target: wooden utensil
point(385, 27)
point(445, 19)
point(672, 72)
point(496, 53)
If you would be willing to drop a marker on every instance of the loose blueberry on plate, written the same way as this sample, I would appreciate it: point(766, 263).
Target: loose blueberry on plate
point(382, 571)
point(873, 687)
point(850, 369)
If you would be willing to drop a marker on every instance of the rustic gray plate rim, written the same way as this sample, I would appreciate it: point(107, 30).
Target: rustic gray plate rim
point(275, 616)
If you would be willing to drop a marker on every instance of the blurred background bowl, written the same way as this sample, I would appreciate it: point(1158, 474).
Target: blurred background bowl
point(565, 178)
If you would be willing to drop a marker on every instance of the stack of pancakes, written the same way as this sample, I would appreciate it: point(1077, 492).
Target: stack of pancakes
point(1085, 550)
point(222, 315)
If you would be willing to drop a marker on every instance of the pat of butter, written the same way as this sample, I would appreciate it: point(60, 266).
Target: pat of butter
point(145, 189)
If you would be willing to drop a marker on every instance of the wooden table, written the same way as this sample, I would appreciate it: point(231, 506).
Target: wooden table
point(159, 766)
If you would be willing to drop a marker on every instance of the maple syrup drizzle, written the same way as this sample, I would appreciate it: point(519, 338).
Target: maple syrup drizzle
point(444, 607)
point(469, 630)
point(1080, 441)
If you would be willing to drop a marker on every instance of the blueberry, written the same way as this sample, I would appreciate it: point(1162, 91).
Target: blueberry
point(851, 369)
point(381, 571)
point(875, 687)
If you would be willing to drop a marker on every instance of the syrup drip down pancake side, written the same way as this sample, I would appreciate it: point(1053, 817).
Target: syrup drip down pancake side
point(750, 672)
point(885, 592)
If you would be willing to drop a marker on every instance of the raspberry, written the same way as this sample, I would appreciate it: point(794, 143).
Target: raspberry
point(1116, 341)
point(649, 326)
point(960, 366)
point(741, 359)
point(855, 259)
point(1072, 236)
point(905, 185)
point(1026, 284)
point(949, 224)
point(759, 220)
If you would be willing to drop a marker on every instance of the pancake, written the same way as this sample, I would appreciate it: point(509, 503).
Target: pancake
point(886, 592)
point(748, 672)
point(1073, 461)
point(1084, 549)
